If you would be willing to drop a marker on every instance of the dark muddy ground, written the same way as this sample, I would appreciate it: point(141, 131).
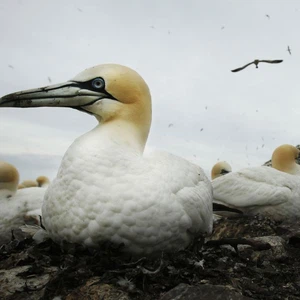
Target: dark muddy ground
point(255, 258)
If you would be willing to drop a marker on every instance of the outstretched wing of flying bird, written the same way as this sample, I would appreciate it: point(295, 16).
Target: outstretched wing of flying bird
point(256, 62)
point(242, 68)
point(275, 61)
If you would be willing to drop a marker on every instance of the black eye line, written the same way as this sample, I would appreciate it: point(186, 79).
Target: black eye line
point(223, 171)
point(87, 85)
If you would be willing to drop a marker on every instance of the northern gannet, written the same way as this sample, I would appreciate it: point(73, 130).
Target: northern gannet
point(256, 62)
point(219, 169)
point(283, 159)
point(9, 179)
point(16, 206)
point(263, 190)
point(105, 189)
point(43, 181)
point(27, 184)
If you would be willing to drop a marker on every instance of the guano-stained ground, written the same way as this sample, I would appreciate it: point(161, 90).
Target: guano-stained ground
point(261, 262)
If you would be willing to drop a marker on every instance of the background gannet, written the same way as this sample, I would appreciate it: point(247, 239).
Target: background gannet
point(262, 190)
point(105, 190)
point(16, 206)
point(27, 184)
point(283, 159)
point(219, 169)
point(43, 181)
point(9, 179)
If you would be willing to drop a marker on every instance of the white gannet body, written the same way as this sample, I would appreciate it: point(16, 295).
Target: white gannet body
point(16, 206)
point(219, 169)
point(262, 190)
point(105, 189)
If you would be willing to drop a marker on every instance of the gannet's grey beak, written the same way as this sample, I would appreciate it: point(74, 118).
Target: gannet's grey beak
point(69, 94)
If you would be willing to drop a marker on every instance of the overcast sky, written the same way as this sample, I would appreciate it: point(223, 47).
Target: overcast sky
point(183, 49)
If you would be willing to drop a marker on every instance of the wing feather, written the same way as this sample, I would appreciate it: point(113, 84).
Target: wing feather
point(252, 187)
point(190, 186)
point(242, 68)
point(274, 61)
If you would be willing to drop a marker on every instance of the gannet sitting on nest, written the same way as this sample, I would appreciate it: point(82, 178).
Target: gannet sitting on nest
point(219, 169)
point(17, 207)
point(9, 179)
point(283, 159)
point(27, 184)
point(263, 190)
point(43, 181)
point(105, 189)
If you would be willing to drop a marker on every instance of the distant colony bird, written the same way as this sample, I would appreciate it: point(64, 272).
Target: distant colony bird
point(17, 206)
point(219, 169)
point(256, 62)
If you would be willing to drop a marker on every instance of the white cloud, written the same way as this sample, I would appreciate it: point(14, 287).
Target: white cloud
point(186, 60)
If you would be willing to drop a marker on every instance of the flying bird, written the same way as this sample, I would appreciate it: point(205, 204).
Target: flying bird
point(289, 50)
point(256, 62)
point(268, 17)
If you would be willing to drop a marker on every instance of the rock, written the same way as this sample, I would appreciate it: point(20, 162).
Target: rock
point(20, 280)
point(244, 226)
point(277, 243)
point(291, 232)
point(275, 252)
point(203, 292)
point(262, 262)
point(93, 289)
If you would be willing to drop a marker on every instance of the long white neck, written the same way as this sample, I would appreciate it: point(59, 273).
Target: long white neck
point(118, 133)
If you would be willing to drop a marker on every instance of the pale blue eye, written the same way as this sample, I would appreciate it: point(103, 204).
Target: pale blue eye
point(98, 83)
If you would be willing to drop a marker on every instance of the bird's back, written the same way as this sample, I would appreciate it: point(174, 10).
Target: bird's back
point(259, 190)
